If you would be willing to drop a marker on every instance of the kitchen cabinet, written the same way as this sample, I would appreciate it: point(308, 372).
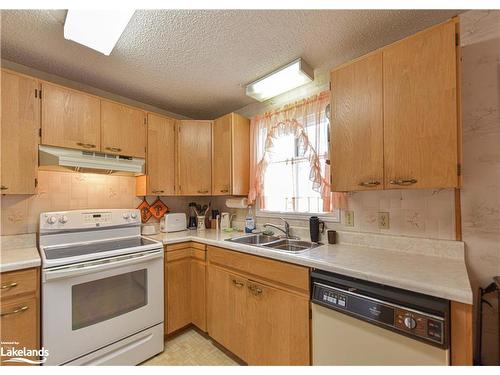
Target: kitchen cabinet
point(258, 308)
point(185, 286)
point(160, 160)
point(19, 131)
point(227, 310)
point(194, 157)
point(20, 310)
point(420, 110)
point(70, 118)
point(356, 136)
point(230, 155)
point(123, 130)
point(394, 118)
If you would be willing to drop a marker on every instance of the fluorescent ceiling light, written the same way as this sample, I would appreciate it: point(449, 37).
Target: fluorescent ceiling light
point(97, 29)
point(288, 77)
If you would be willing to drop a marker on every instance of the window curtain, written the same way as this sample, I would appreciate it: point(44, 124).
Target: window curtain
point(292, 120)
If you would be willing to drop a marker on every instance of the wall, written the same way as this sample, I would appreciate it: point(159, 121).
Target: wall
point(480, 40)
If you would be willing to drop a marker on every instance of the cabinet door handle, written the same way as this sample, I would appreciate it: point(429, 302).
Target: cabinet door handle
point(113, 149)
point(157, 191)
point(202, 191)
point(8, 286)
point(3, 187)
point(403, 182)
point(371, 183)
point(85, 145)
point(237, 283)
point(255, 289)
point(224, 191)
point(16, 311)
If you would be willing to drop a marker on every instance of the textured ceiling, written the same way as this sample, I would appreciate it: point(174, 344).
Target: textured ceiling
point(195, 62)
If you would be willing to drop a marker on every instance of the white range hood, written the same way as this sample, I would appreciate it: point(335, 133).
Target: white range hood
point(57, 158)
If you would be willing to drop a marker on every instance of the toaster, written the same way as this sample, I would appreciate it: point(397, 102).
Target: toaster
point(173, 222)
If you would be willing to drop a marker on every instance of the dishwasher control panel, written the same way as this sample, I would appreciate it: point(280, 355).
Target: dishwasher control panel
point(401, 319)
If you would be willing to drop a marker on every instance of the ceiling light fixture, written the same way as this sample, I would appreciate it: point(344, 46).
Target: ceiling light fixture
point(97, 29)
point(286, 78)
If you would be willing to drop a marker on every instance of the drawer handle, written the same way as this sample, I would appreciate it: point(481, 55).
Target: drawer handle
point(237, 283)
point(3, 187)
point(157, 191)
point(224, 191)
point(255, 289)
point(403, 182)
point(85, 145)
point(16, 311)
point(113, 149)
point(8, 286)
point(371, 183)
point(202, 191)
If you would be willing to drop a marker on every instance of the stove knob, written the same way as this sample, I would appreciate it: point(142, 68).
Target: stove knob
point(133, 215)
point(410, 322)
point(126, 215)
point(63, 219)
point(52, 220)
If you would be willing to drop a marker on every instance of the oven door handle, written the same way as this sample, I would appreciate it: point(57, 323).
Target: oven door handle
point(99, 265)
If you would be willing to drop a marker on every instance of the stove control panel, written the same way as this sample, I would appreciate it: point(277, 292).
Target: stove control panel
point(82, 219)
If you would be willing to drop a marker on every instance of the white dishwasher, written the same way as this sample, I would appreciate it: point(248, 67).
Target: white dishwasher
point(356, 322)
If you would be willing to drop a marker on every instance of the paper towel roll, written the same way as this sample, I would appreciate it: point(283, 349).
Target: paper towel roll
point(237, 203)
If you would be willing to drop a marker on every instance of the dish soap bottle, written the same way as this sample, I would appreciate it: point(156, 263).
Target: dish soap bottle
point(249, 221)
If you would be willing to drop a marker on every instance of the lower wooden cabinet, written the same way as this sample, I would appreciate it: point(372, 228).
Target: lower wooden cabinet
point(20, 310)
point(261, 321)
point(185, 289)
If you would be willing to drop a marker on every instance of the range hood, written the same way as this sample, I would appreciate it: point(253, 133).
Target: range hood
point(58, 158)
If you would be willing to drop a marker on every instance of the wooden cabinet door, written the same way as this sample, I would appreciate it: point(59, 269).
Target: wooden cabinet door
point(221, 155)
point(19, 132)
point(227, 310)
point(198, 294)
point(420, 110)
point(19, 323)
point(123, 130)
point(277, 326)
point(356, 129)
point(161, 155)
point(70, 118)
point(194, 147)
point(178, 293)
point(240, 155)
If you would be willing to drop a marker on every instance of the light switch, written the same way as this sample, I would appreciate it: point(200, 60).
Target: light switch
point(349, 218)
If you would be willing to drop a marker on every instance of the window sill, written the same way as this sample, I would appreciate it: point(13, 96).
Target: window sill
point(333, 217)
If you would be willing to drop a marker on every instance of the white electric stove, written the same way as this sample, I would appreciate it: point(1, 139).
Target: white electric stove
point(102, 288)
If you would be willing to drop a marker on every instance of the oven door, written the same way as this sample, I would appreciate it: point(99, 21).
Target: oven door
point(93, 304)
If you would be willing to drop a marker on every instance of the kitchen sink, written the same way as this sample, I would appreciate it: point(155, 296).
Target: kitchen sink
point(291, 245)
point(274, 242)
point(254, 239)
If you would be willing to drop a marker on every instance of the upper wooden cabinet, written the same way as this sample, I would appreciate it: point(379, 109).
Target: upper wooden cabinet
point(194, 157)
point(123, 129)
point(160, 179)
point(70, 118)
point(20, 118)
point(394, 116)
point(230, 155)
point(420, 110)
point(356, 136)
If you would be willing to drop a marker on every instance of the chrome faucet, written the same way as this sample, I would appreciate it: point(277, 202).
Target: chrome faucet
point(286, 229)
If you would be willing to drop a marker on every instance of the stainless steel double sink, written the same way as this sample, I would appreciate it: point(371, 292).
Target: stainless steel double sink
point(274, 242)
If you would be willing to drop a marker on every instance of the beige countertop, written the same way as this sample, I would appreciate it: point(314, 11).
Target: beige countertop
point(433, 267)
point(18, 252)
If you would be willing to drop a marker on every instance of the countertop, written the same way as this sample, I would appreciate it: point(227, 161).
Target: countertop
point(432, 267)
point(18, 252)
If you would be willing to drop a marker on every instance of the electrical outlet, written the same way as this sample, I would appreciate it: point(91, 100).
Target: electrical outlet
point(349, 218)
point(383, 220)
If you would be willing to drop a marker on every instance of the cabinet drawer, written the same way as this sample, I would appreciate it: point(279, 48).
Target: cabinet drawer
point(290, 275)
point(18, 282)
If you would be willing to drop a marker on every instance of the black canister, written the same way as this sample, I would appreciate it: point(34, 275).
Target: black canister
point(314, 223)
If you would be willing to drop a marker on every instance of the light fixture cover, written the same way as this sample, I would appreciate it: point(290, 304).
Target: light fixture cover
point(97, 29)
point(286, 78)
